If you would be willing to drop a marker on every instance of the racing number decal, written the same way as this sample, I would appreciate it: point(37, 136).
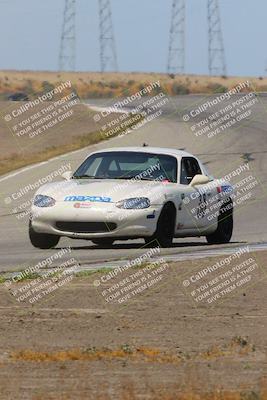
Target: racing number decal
point(202, 206)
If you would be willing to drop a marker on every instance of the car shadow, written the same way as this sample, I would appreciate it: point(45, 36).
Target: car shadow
point(129, 246)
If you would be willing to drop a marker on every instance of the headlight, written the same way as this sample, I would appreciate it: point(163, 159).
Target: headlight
point(44, 201)
point(134, 203)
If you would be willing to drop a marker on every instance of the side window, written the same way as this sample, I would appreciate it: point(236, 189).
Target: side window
point(189, 168)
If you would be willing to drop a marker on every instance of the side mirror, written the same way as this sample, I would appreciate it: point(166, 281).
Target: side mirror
point(199, 180)
point(67, 175)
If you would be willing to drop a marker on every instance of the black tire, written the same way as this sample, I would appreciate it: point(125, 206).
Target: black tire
point(164, 234)
point(105, 242)
point(224, 231)
point(42, 240)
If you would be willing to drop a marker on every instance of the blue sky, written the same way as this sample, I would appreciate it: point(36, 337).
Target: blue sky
point(30, 35)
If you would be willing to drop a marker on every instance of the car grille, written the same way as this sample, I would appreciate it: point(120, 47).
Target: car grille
point(86, 227)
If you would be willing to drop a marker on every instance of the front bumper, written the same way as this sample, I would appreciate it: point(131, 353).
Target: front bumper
point(127, 223)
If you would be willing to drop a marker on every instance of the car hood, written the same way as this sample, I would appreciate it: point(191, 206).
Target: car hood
point(109, 191)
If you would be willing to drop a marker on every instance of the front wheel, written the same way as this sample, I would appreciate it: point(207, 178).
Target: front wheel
point(225, 226)
point(165, 228)
point(42, 240)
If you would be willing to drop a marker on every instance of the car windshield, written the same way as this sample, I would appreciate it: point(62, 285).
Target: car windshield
point(128, 165)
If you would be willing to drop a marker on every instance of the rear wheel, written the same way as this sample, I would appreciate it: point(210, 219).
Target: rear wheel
point(224, 230)
point(42, 240)
point(105, 242)
point(164, 234)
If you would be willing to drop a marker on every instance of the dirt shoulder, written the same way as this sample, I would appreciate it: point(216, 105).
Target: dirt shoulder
point(50, 129)
point(160, 344)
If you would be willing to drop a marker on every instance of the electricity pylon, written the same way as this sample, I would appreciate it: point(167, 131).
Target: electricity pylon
point(176, 57)
point(68, 38)
point(108, 55)
point(217, 63)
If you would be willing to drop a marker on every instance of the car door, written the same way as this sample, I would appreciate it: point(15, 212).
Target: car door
point(193, 212)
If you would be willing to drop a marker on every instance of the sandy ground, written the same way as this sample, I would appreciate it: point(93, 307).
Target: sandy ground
point(39, 134)
point(21, 143)
point(160, 344)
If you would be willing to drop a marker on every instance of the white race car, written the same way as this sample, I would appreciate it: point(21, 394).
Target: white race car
point(133, 192)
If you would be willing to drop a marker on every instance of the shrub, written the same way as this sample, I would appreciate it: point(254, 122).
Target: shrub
point(47, 86)
point(217, 88)
point(126, 92)
point(114, 85)
point(178, 88)
point(28, 88)
point(131, 82)
point(141, 86)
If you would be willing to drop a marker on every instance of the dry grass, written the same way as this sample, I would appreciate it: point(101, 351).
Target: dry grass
point(238, 346)
point(91, 354)
point(98, 85)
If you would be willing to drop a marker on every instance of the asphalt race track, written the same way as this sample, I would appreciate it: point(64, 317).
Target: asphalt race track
point(244, 142)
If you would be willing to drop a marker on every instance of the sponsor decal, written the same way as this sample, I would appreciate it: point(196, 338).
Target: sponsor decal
point(93, 199)
point(224, 189)
point(82, 205)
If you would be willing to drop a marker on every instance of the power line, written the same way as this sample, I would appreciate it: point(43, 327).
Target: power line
point(217, 63)
point(108, 54)
point(176, 54)
point(176, 57)
point(67, 51)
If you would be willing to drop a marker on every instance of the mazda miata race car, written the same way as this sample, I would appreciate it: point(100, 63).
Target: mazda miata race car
point(133, 192)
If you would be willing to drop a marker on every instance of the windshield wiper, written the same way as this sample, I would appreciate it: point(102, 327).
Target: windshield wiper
point(87, 177)
point(134, 177)
point(109, 177)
